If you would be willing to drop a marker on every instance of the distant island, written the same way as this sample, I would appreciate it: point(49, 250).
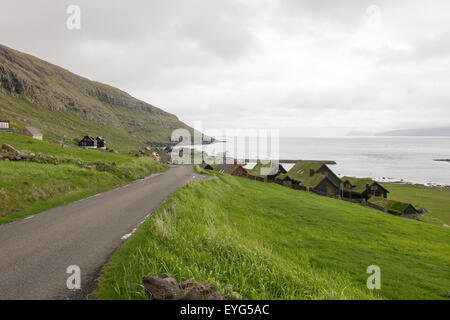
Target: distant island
point(423, 132)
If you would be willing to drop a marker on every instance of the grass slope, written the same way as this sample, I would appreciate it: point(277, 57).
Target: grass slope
point(27, 188)
point(36, 93)
point(272, 242)
point(435, 199)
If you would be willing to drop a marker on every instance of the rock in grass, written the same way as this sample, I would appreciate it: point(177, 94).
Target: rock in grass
point(167, 288)
point(162, 288)
point(195, 290)
point(9, 148)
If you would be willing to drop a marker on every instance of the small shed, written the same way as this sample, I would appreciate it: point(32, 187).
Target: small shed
point(4, 124)
point(101, 143)
point(393, 207)
point(88, 142)
point(32, 132)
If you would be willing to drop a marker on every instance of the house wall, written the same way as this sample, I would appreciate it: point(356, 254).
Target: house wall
point(86, 142)
point(379, 192)
point(410, 210)
point(4, 125)
point(327, 187)
point(239, 171)
point(330, 174)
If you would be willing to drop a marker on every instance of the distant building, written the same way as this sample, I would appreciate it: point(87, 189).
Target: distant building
point(362, 188)
point(311, 176)
point(233, 169)
point(4, 124)
point(101, 143)
point(32, 132)
point(206, 166)
point(88, 142)
point(393, 207)
point(266, 172)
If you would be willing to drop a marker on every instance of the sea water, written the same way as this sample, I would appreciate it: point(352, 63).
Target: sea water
point(408, 159)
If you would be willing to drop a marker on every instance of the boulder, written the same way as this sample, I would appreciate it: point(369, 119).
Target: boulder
point(162, 288)
point(167, 288)
point(195, 290)
point(9, 148)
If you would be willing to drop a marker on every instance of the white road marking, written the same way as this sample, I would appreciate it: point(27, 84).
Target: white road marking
point(125, 237)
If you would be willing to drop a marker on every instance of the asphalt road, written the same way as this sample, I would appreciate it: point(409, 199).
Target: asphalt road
point(35, 252)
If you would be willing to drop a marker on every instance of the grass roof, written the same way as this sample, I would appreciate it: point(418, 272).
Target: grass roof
point(270, 167)
point(359, 184)
point(300, 173)
point(389, 205)
point(226, 168)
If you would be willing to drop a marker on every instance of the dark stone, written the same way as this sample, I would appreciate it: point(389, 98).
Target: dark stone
point(167, 288)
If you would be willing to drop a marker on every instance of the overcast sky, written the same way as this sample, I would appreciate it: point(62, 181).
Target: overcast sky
point(309, 68)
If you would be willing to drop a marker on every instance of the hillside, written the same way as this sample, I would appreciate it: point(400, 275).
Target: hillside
point(67, 174)
point(60, 103)
point(273, 242)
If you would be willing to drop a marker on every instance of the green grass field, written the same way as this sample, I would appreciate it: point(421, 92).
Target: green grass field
point(272, 242)
point(27, 188)
point(435, 199)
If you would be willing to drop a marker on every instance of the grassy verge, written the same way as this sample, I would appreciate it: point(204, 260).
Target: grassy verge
point(435, 199)
point(271, 242)
point(27, 188)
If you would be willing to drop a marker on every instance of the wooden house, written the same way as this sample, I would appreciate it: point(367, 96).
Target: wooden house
point(362, 188)
point(32, 132)
point(393, 207)
point(311, 176)
point(233, 169)
point(4, 124)
point(101, 143)
point(88, 142)
point(266, 172)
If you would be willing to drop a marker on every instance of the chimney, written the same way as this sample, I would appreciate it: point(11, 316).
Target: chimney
point(311, 172)
point(235, 161)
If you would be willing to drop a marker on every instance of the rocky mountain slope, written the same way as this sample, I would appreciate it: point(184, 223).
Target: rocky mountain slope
point(62, 104)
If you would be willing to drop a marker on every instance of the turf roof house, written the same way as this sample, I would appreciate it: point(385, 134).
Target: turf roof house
point(233, 169)
point(362, 188)
point(266, 172)
point(88, 142)
point(393, 207)
point(311, 176)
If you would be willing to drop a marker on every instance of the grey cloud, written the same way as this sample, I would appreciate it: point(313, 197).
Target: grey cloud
point(287, 63)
